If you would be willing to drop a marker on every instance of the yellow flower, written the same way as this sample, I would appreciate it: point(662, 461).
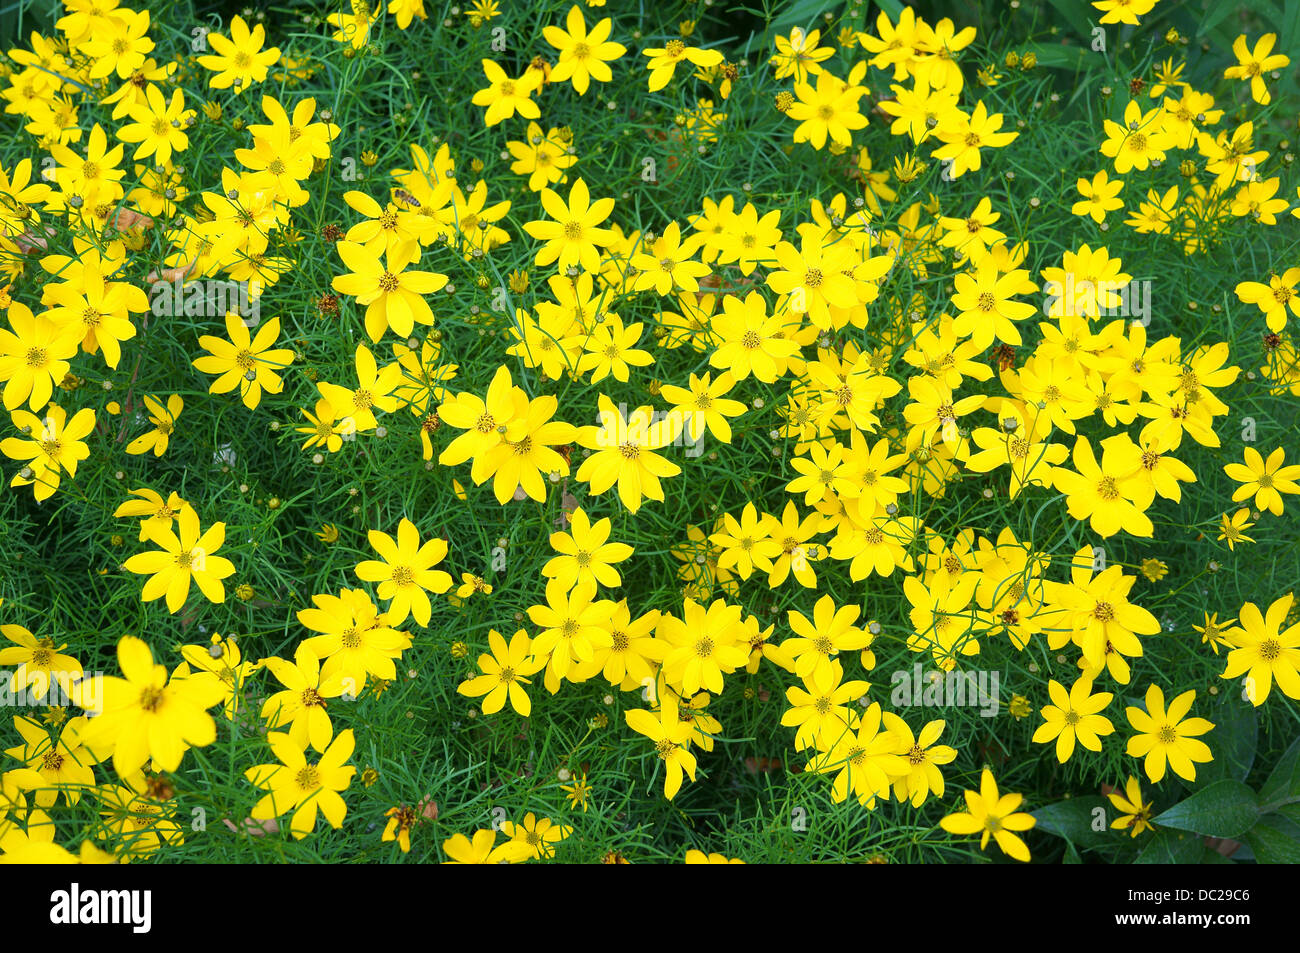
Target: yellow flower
point(624, 453)
point(671, 737)
point(992, 815)
point(143, 716)
point(1266, 480)
point(189, 555)
point(1074, 715)
point(1154, 569)
point(504, 674)
point(164, 422)
point(1264, 651)
point(239, 60)
point(537, 834)
point(249, 363)
point(1135, 816)
point(302, 787)
point(1167, 735)
point(405, 571)
point(583, 54)
point(578, 792)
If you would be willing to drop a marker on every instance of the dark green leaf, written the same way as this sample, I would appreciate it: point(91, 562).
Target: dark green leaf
point(1236, 734)
point(1074, 820)
point(1225, 808)
point(1283, 785)
point(1172, 847)
point(1275, 840)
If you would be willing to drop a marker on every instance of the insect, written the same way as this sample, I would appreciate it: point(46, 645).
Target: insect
point(404, 196)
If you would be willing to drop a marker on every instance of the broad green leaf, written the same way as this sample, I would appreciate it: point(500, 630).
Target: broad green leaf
point(1073, 820)
point(1236, 735)
point(1275, 840)
point(1283, 785)
point(1225, 808)
point(1172, 847)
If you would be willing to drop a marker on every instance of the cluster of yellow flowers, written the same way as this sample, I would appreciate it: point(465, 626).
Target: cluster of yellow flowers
point(870, 449)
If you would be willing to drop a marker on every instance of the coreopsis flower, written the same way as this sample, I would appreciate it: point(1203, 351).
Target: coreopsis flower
point(544, 159)
point(990, 814)
point(1233, 528)
point(1274, 298)
point(163, 419)
point(699, 857)
point(818, 640)
point(34, 355)
point(1123, 11)
point(505, 674)
point(356, 641)
point(633, 650)
point(751, 340)
point(963, 137)
point(570, 623)
point(1266, 480)
point(389, 230)
point(63, 762)
point(137, 824)
point(400, 821)
point(302, 704)
point(666, 264)
point(746, 544)
point(526, 451)
point(820, 710)
point(393, 296)
point(158, 126)
point(374, 392)
point(984, 305)
point(1110, 494)
point(40, 663)
point(663, 61)
point(922, 757)
point(799, 55)
point(120, 46)
point(671, 738)
point(504, 95)
point(611, 349)
point(187, 555)
point(1100, 195)
point(1140, 139)
point(623, 453)
point(829, 109)
point(703, 406)
point(102, 309)
point(353, 27)
point(1213, 632)
point(53, 445)
point(1135, 813)
point(405, 572)
point(222, 659)
point(705, 644)
point(1072, 716)
point(816, 276)
point(143, 715)
point(536, 834)
point(248, 362)
point(573, 236)
point(239, 60)
point(152, 510)
point(584, 555)
point(584, 54)
point(484, 849)
point(796, 555)
point(301, 786)
point(1263, 650)
point(1168, 735)
point(863, 759)
point(1251, 65)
